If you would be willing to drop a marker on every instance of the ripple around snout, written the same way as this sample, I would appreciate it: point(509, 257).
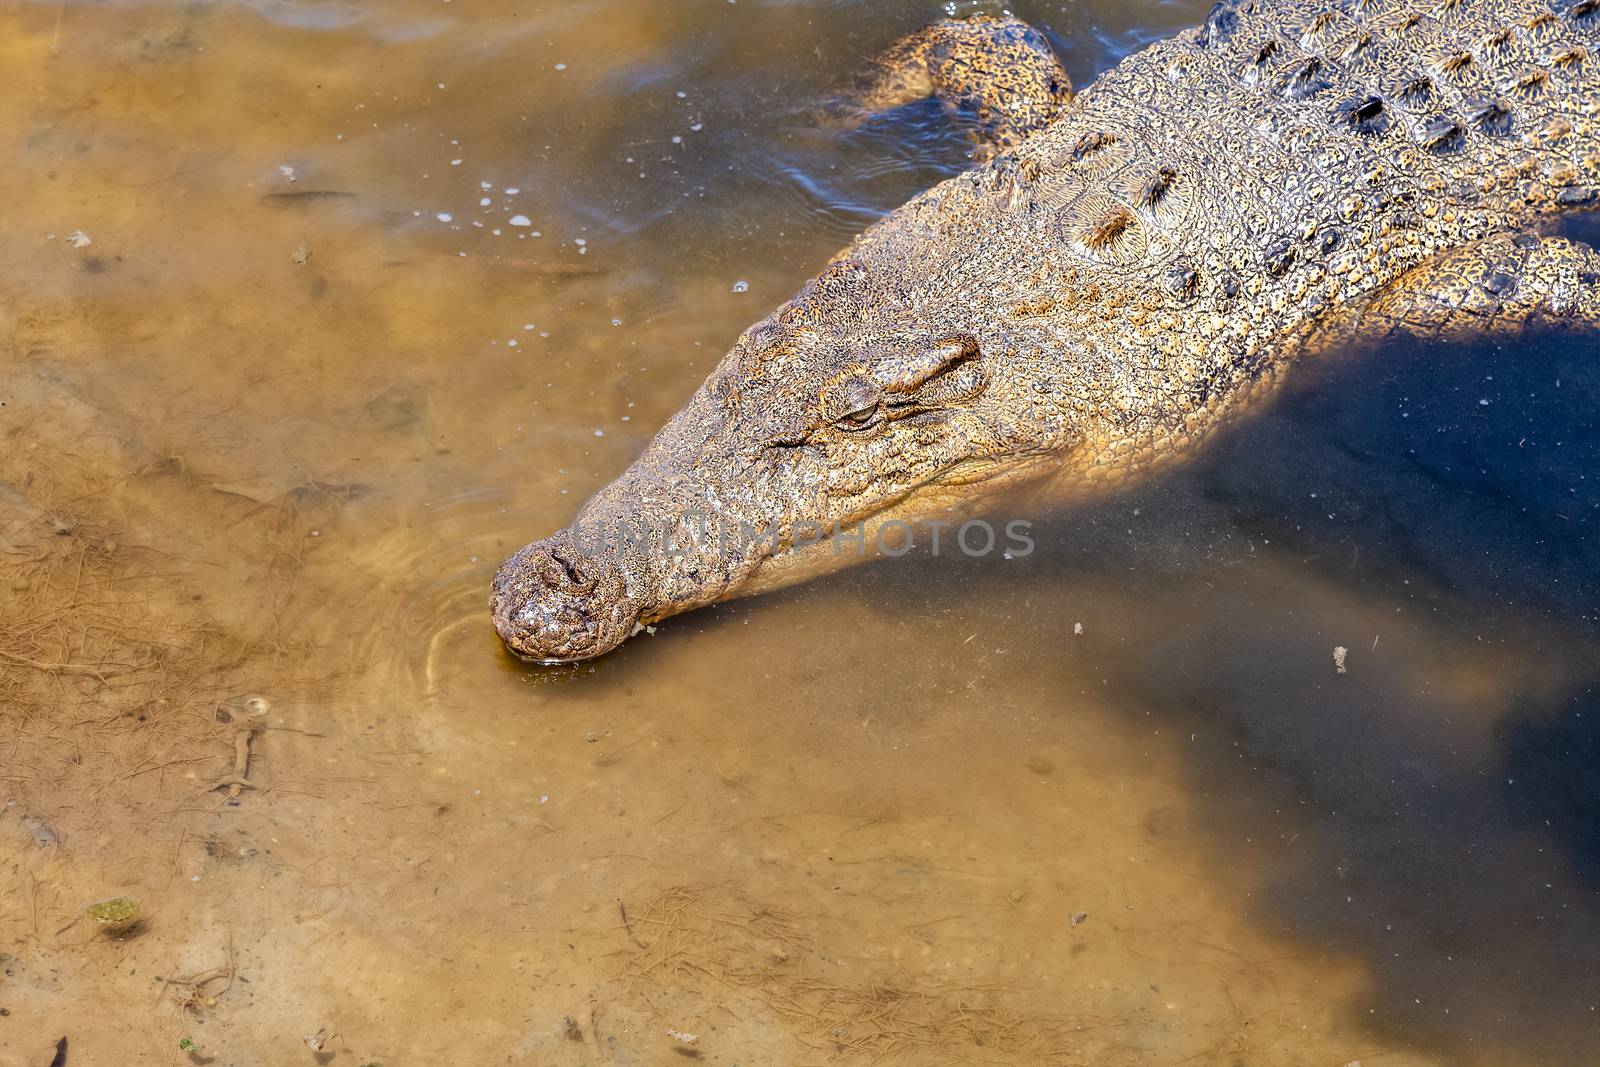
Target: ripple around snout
point(435, 568)
point(431, 619)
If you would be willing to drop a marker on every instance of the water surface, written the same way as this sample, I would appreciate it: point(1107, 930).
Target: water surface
point(364, 296)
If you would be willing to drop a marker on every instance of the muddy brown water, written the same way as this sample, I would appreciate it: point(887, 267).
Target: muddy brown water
point(314, 311)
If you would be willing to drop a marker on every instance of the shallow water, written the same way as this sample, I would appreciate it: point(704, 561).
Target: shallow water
point(374, 293)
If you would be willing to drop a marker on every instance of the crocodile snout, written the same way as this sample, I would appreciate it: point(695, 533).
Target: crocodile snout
point(553, 603)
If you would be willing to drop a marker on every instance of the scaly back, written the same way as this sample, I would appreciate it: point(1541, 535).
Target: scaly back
point(1210, 195)
point(1301, 153)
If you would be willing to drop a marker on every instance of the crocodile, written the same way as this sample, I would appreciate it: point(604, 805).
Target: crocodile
point(1122, 271)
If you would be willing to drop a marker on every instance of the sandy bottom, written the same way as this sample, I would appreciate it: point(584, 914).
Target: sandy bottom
point(469, 863)
point(442, 858)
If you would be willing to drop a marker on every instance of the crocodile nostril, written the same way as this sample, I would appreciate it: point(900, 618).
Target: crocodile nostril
point(555, 603)
point(576, 576)
point(565, 575)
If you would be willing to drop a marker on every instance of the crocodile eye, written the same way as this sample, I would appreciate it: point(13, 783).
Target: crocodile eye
point(859, 419)
point(854, 403)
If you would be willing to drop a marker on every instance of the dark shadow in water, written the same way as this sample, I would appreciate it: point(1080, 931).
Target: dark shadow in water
point(1468, 471)
point(1447, 834)
point(1550, 778)
point(1453, 487)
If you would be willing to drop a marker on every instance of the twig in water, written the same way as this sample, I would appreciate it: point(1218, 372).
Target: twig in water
point(626, 925)
point(239, 780)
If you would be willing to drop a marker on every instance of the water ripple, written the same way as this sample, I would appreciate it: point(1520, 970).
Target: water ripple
point(435, 566)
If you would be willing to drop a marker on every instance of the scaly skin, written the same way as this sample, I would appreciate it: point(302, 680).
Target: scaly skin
point(1100, 297)
point(1000, 72)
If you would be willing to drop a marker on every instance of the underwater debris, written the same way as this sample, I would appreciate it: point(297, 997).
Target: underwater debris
point(115, 916)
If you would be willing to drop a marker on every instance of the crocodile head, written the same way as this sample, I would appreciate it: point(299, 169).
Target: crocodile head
point(869, 397)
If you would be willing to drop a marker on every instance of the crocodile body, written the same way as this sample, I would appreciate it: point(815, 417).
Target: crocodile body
point(1199, 206)
point(1124, 271)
